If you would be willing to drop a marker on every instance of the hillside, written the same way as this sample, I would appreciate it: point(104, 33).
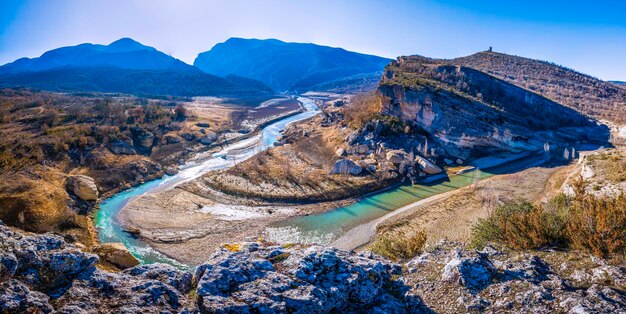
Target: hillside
point(124, 66)
point(467, 111)
point(586, 94)
point(286, 66)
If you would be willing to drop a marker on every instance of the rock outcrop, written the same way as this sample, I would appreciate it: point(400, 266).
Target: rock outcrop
point(451, 279)
point(312, 280)
point(84, 187)
point(467, 112)
point(43, 274)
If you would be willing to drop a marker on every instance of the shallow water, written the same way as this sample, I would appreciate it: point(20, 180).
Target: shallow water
point(325, 227)
point(106, 222)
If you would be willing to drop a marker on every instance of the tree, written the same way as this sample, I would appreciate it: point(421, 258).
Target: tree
point(181, 112)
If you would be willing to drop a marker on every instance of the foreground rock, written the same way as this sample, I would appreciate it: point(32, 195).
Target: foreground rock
point(453, 280)
point(43, 274)
point(312, 280)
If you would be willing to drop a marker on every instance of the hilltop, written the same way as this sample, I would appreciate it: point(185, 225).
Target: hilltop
point(582, 92)
point(288, 66)
point(124, 66)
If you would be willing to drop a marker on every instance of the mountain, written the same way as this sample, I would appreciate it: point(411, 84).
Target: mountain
point(124, 53)
point(124, 66)
point(137, 82)
point(618, 82)
point(587, 94)
point(286, 66)
point(469, 112)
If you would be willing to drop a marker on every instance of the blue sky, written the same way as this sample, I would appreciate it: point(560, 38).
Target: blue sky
point(589, 36)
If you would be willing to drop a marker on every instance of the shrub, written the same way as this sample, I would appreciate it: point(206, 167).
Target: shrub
point(399, 246)
point(520, 225)
point(362, 109)
point(598, 224)
point(590, 223)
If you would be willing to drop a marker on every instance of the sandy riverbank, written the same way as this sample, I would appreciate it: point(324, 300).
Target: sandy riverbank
point(361, 235)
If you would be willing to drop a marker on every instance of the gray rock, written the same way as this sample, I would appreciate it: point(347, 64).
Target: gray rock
point(121, 148)
point(165, 273)
point(353, 138)
point(15, 297)
point(209, 138)
point(312, 280)
point(346, 166)
point(427, 165)
point(471, 269)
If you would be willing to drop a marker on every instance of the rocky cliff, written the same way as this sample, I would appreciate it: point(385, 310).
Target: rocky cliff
point(44, 274)
point(466, 111)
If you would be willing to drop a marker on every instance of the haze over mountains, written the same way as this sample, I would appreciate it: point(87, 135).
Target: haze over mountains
point(124, 66)
point(124, 53)
point(288, 66)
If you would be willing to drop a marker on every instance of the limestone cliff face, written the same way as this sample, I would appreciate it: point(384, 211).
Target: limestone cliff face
point(466, 110)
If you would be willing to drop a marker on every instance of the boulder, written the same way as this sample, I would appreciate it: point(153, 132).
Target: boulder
point(188, 136)
point(352, 138)
point(396, 156)
point(121, 148)
point(142, 138)
point(346, 166)
point(84, 187)
point(171, 139)
point(340, 152)
point(358, 149)
point(470, 269)
point(209, 138)
point(427, 166)
point(116, 254)
point(170, 171)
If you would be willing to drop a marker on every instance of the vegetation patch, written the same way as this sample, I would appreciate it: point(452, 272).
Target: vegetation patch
point(399, 246)
point(594, 224)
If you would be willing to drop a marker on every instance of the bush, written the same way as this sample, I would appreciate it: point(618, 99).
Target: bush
point(598, 225)
point(399, 246)
point(520, 225)
point(362, 109)
point(590, 223)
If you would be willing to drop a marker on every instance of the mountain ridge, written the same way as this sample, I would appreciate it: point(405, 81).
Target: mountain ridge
point(124, 66)
point(286, 66)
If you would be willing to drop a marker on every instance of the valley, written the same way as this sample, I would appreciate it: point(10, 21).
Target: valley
point(249, 171)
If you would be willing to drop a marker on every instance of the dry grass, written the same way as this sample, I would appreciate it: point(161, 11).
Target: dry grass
point(399, 246)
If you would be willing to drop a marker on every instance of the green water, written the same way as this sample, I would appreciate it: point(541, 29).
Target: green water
point(325, 227)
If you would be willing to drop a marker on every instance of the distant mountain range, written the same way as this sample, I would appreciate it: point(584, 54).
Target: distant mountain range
point(289, 66)
point(124, 66)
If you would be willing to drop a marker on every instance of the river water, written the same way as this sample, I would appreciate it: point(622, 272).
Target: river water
point(109, 229)
point(319, 228)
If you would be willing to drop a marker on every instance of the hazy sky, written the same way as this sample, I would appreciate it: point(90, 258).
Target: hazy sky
point(589, 36)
